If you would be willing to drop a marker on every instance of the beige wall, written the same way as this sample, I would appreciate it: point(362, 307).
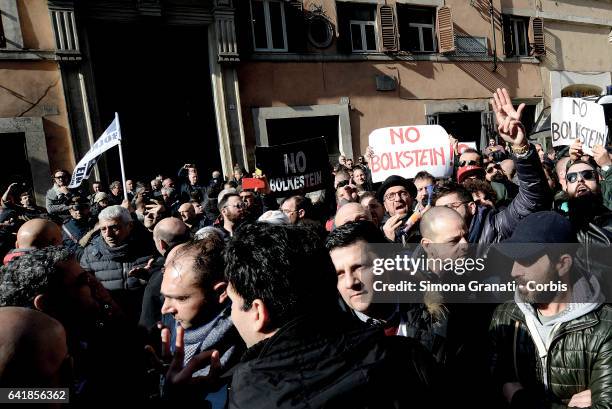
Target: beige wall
point(421, 82)
point(34, 88)
point(35, 24)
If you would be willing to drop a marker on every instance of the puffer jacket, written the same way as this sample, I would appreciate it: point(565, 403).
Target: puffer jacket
point(112, 264)
point(494, 225)
point(330, 362)
point(578, 358)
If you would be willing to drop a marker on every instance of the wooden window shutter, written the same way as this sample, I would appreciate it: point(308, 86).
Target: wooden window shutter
point(387, 25)
point(539, 45)
point(445, 30)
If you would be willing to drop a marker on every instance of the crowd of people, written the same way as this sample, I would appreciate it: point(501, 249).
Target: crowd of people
point(184, 290)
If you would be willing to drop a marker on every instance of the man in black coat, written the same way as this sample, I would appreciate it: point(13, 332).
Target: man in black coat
point(487, 225)
point(296, 333)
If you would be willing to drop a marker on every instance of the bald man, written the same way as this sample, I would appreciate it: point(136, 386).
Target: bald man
point(33, 349)
point(167, 234)
point(351, 212)
point(35, 234)
point(444, 235)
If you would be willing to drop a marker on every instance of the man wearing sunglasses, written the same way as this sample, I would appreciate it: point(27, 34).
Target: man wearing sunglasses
point(59, 196)
point(233, 211)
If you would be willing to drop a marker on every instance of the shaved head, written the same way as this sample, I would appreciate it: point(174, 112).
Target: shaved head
point(39, 233)
point(438, 222)
point(351, 212)
point(169, 232)
point(32, 348)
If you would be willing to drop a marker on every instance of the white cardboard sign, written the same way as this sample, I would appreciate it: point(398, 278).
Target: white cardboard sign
point(575, 118)
point(407, 150)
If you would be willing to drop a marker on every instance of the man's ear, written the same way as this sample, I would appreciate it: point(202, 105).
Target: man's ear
point(301, 213)
point(220, 290)
point(564, 265)
point(262, 316)
point(40, 302)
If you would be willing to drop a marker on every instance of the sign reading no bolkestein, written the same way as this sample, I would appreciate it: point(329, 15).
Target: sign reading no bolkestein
point(575, 118)
point(294, 168)
point(407, 150)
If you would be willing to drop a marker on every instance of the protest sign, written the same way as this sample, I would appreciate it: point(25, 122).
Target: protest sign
point(461, 146)
point(575, 118)
point(294, 168)
point(407, 150)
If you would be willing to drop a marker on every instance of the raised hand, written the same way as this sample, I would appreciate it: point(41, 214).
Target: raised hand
point(575, 150)
point(509, 123)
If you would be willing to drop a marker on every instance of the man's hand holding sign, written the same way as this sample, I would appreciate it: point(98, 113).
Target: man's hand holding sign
point(576, 120)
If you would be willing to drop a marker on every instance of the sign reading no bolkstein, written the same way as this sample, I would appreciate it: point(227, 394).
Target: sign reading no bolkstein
point(575, 118)
point(294, 168)
point(407, 150)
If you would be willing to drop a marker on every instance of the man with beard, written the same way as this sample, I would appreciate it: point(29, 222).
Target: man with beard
point(552, 345)
point(504, 189)
point(106, 352)
point(232, 208)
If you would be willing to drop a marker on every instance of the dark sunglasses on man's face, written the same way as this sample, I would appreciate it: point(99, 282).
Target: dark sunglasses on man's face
point(572, 177)
point(468, 163)
point(491, 169)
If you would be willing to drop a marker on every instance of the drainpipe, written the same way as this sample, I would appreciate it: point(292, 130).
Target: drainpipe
point(494, 40)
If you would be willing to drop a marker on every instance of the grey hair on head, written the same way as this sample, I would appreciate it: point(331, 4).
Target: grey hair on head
point(115, 212)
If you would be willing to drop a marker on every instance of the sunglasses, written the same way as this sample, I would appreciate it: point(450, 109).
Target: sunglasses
point(572, 177)
point(468, 163)
point(492, 169)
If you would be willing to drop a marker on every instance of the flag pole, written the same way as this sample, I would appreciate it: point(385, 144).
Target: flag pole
point(125, 196)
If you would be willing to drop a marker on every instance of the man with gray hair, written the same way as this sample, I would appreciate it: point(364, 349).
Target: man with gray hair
point(118, 257)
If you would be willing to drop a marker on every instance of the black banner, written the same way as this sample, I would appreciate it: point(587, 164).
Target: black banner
point(295, 168)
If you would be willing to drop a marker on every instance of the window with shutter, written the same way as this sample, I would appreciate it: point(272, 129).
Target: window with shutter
point(387, 27)
point(539, 44)
point(516, 38)
point(446, 31)
point(417, 28)
point(357, 27)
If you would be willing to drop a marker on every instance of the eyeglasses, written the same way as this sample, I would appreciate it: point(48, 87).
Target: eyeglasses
point(468, 163)
point(572, 177)
point(288, 212)
point(342, 184)
point(492, 169)
point(455, 205)
point(402, 194)
point(240, 205)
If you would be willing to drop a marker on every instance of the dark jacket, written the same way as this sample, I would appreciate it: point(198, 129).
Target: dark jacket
point(333, 361)
point(73, 231)
point(494, 225)
point(112, 264)
point(578, 358)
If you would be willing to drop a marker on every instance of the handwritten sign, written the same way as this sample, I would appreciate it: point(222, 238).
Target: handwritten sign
point(407, 150)
point(575, 118)
point(295, 168)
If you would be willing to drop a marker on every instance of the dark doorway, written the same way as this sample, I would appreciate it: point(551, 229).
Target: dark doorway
point(287, 130)
point(465, 126)
point(157, 77)
point(14, 165)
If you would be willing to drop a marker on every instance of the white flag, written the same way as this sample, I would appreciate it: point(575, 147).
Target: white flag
point(110, 138)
